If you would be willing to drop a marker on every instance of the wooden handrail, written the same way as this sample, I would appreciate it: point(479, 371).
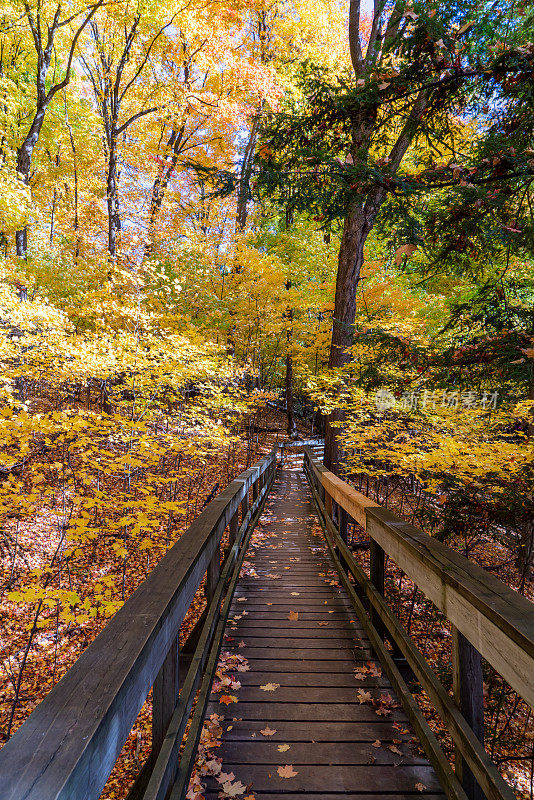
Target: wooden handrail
point(488, 619)
point(498, 621)
point(68, 746)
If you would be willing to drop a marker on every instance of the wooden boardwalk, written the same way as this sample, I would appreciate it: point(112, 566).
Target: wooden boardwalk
point(341, 735)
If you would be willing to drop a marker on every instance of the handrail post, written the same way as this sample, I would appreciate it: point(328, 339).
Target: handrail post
point(255, 489)
point(377, 574)
point(327, 503)
point(342, 518)
point(244, 506)
point(213, 574)
point(164, 697)
point(467, 681)
point(233, 528)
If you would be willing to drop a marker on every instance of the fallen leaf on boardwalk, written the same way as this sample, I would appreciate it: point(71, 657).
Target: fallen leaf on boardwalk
point(268, 731)
point(227, 699)
point(394, 749)
point(268, 604)
point(364, 697)
point(243, 668)
point(383, 712)
point(249, 797)
point(377, 743)
point(322, 624)
point(229, 728)
point(293, 615)
point(270, 687)
point(241, 644)
point(283, 747)
point(295, 594)
point(287, 771)
point(233, 789)
point(360, 676)
point(241, 599)
point(225, 776)
point(420, 787)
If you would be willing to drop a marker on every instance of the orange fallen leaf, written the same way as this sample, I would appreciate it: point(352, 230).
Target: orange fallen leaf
point(420, 787)
point(293, 615)
point(377, 743)
point(287, 771)
point(364, 697)
point(268, 731)
point(283, 747)
point(227, 699)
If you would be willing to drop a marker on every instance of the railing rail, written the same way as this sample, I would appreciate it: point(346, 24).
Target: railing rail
point(488, 618)
point(68, 746)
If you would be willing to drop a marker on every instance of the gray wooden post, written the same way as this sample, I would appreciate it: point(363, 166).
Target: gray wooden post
point(244, 507)
point(377, 571)
point(255, 490)
point(234, 527)
point(164, 697)
point(342, 527)
point(212, 574)
point(467, 681)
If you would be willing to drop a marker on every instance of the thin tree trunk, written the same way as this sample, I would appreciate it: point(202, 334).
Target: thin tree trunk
point(243, 189)
point(290, 411)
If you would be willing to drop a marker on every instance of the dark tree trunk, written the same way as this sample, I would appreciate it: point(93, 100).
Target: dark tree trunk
point(24, 165)
point(243, 189)
point(290, 411)
point(114, 223)
point(358, 223)
point(161, 182)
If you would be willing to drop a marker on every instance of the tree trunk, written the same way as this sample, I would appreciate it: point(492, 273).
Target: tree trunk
point(244, 177)
point(161, 182)
point(358, 223)
point(24, 165)
point(291, 425)
point(114, 223)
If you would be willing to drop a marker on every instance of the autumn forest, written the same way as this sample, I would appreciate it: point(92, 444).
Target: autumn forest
point(228, 226)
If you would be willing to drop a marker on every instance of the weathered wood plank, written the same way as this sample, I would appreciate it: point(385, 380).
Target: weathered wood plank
point(328, 753)
point(301, 694)
point(323, 731)
point(383, 779)
point(288, 795)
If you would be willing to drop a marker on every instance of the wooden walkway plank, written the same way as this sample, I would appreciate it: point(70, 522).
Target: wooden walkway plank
point(333, 733)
